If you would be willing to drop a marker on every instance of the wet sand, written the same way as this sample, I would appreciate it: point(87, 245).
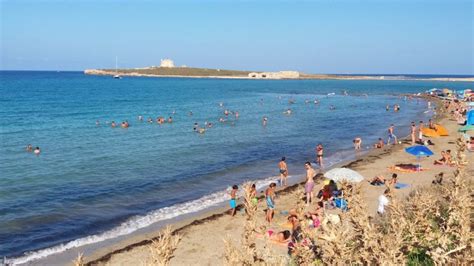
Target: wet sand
point(202, 242)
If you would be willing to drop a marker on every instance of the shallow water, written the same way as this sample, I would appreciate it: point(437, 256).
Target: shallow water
point(93, 179)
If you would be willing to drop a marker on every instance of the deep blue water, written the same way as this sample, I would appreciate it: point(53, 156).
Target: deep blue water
point(90, 179)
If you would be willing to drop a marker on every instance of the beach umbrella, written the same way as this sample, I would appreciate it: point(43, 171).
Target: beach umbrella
point(419, 151)
point(470, 118)
point(339, 174)
point(466, 128)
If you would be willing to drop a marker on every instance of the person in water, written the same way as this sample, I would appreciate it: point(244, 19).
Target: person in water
point(37, 151)
point(309, 185)
point(113, 124)
point(29, 148)
point(270, 200)
point(233, 199)
point(283, 172)
point(357, 143)
point(319, 155)
point(170, 120)
point(264, 121)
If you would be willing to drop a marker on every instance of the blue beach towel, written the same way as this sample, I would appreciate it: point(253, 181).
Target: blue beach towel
point(401, 185)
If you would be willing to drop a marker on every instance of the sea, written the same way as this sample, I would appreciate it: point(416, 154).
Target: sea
point(93, 183)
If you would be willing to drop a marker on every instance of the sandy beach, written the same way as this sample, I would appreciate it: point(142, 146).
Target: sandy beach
point(202, 237)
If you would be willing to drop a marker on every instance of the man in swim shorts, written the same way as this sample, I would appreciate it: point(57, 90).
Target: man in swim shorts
point(283, 172)
point(270, 200)
point(391, 135)
point(310, 173)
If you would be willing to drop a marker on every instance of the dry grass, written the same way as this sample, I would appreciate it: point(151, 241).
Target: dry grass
point(79, 261)
point(162, 249)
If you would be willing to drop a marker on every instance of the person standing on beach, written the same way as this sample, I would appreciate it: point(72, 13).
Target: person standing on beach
point(283, 172)
point(420, 132)
point(233, 199)
point(319, 155)
point(270, 200)
point(391, 135)
point(310, 174)
point(383, 201)
point(413, 133)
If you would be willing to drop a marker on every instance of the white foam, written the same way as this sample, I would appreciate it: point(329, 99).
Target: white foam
point(137, 222)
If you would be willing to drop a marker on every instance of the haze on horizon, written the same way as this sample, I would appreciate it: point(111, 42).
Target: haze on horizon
point(322, 36)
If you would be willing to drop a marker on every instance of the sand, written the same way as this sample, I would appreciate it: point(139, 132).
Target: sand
point(202, 242)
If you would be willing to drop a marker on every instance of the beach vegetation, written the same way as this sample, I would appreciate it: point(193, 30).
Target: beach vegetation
point(162, 248)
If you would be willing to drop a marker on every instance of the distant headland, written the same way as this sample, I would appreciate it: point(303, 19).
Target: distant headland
point(167, 68)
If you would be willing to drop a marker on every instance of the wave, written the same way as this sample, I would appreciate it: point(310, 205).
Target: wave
point(138, 222)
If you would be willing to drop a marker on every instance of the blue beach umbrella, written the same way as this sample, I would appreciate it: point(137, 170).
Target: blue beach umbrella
point(419, 151)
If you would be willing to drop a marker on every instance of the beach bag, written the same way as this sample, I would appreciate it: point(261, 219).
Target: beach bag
point(341, 204)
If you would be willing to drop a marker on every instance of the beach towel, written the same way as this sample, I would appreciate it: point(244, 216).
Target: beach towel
point(401, 185)
point(428, 132)
point(441, 130)
point(406, 168)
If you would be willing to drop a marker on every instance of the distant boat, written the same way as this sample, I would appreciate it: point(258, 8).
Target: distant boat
point(116, 76)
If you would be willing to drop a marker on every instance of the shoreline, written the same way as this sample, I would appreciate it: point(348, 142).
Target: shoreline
point(98, 72)
point(105, 255)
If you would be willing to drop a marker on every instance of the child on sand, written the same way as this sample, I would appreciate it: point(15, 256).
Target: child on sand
point(233, 199)
point(383, 201)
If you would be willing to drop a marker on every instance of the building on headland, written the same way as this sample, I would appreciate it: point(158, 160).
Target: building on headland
point(275, 75)
point(166, 63)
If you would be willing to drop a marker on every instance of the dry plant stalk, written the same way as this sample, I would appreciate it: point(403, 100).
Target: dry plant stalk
point(162, 249)
point(79, 261)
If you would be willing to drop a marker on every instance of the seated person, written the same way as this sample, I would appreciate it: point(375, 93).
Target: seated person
point(379, 144)
point(442, 160)
point(470, 144)
point(326, 194)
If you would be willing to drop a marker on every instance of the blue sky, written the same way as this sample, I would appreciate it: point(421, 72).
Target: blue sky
point(323, 36)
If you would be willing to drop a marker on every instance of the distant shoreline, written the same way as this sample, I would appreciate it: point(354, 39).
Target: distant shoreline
point(230, 74)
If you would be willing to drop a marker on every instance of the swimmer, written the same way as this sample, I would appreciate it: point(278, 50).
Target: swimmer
point(170, 119)
point(287, 112)
point(222, 120)
point(140, 118)
point(226, 112)
point(29, 148)
point(387, 107)
point(113, 124)
point(196, 127)
point(237, 115)
point(332, 107)
point(264, 121)
point(37, 151)
point(190, 113)
point(149, 120)
point(201, 130)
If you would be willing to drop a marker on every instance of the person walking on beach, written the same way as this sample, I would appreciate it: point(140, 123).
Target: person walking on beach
point(283, 172)
point(270, 200)
point(319, 155)
point(233, 199)
point(391, 135)
point(413, 133)
point(310, 174)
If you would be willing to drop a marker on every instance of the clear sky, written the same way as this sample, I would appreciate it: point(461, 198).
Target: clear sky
point(321, 36)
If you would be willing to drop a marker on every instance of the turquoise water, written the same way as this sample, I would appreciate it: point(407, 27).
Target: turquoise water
point(96, 180)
